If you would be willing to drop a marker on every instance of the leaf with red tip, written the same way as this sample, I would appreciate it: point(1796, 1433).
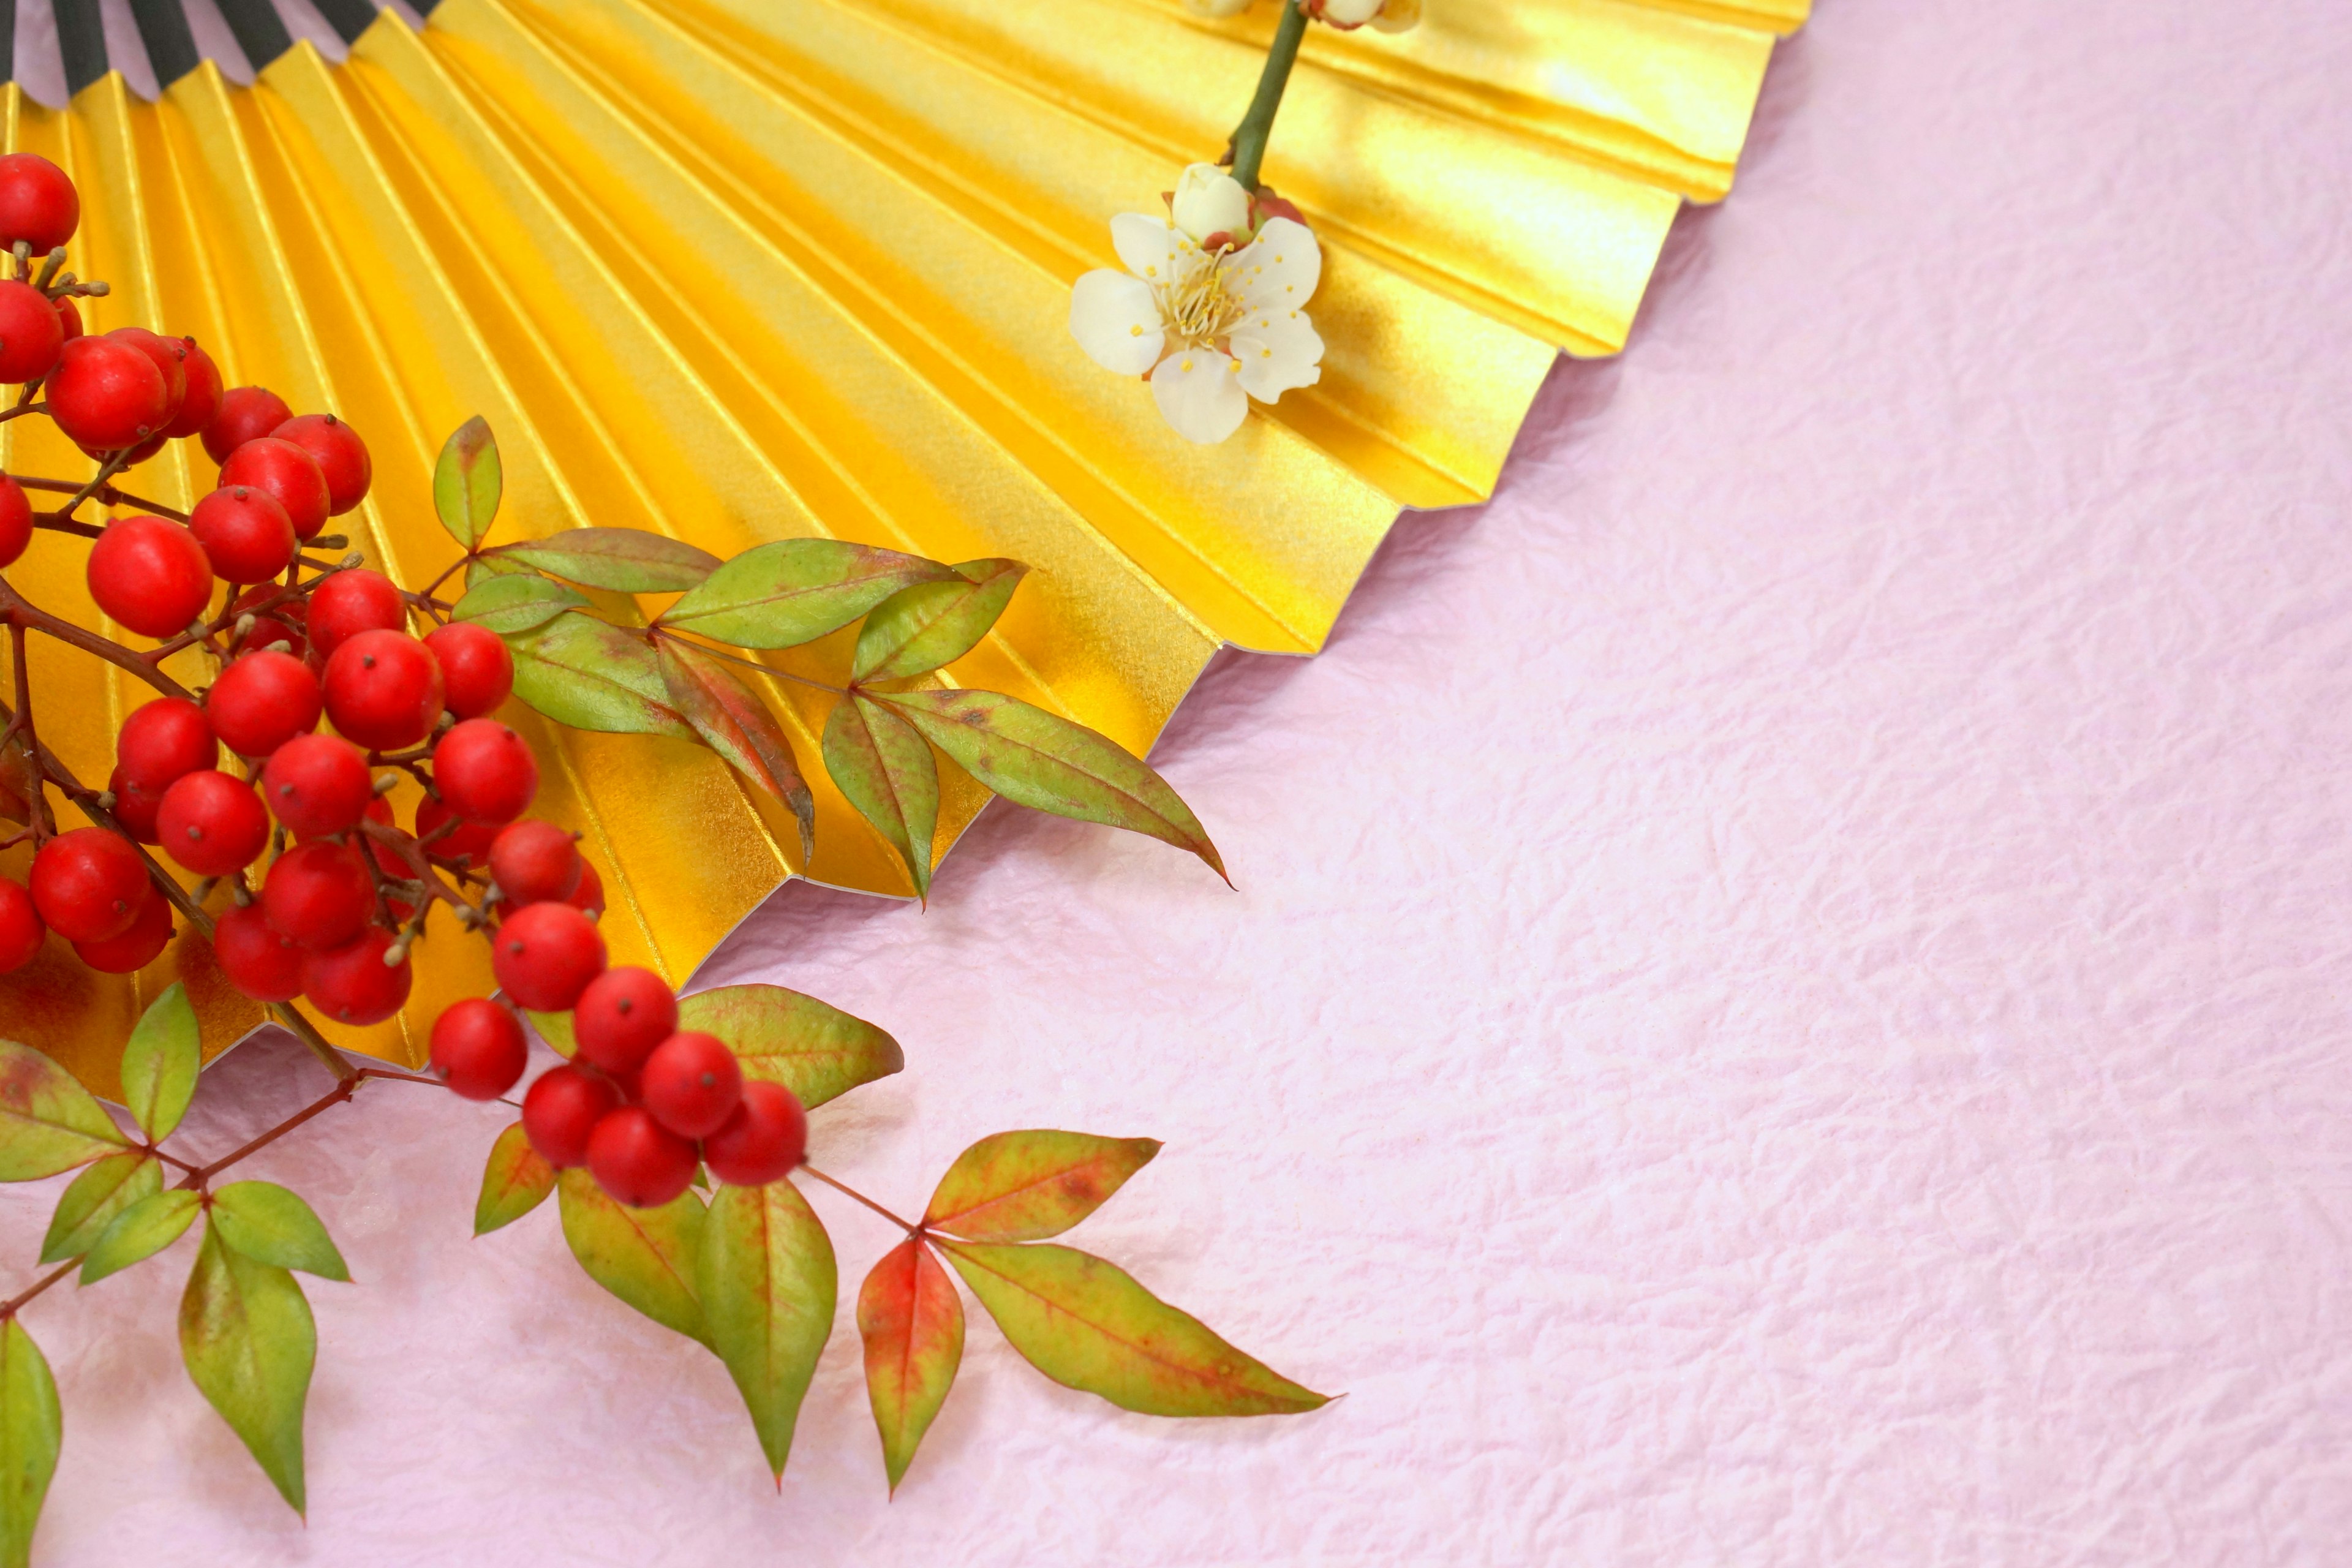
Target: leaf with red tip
point(1088, 1325)
point(912, 1321)
point(48, 1122)
point(734, 722)
point(922, 627)
point(814, 1049)
point(249, 1343)
point(1040, 760)
point(885, 770)
point(1026, 1186)
point(579, 671)
point(515, 1181)
point(467, 482)
point(648, 1258)
point(768, 1287)
point(796, 589)
point(628, 560)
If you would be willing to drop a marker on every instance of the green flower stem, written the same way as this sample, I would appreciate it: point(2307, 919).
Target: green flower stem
point(1250, 135)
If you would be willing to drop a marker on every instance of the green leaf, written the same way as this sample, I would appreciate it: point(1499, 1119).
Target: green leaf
point(796, 589)
point(483, 568)
point(646, 1257)
point(48, 1122)
point(629, 560)
point(555, 1028)
point(518, 603)
point(1088, 1325)
point(580, 672)
point(886, 771)
point(249, 1342)
point(734, 722)
point(1033, 758)
point(467, 482)
point(1024, 1186)
point(160, 1063)
point(270, 1225)
point(912, 1321)
point(931, 623)
point(816, 1050)
point(31, 1428)
point(767, 1291)
point(515, 1181)
point(94, 1198)
point(138, 1233)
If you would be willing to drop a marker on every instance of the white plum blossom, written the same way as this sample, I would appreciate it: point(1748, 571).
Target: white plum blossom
point(1214, 316)
point(1388, 15)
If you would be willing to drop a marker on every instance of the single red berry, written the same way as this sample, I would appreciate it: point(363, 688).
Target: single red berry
point(17, 532)
point(106, 395)
point(212, 823)
point(762, 1141)
point(135, 807)
point(318, 784)
point(485, 771)
point(135, 949)
point(353, 984)
point(246, 414)
point(468, 842)
point(317, 894)
point(281, 627)
point(637, 1161)
point(544, 956)
point(30, 333)
point(478, 1049)
point(164, 739)
point(589, 896)
point(692, 1083)
point(21, 927)
point(561, 1109)
point(257, 959)
point(150, 576)
point(477, 670)
point(69, 318)
point(287, 472)
point(342, 457)
point(170, 356)
point(262, 700)
point(38, 205)
point(383, 690)
point(350, 602)
point(89, 884)
point(246, 533)
point(621, 1015)
point(201, 404)
point(534, 862)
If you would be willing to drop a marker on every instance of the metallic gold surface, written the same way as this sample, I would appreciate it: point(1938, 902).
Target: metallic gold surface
point(740, 269)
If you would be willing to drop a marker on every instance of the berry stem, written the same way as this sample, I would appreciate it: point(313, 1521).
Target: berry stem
point(21, 409)
point(108, 495)
point(1250, 136)
point(849, 1191)
point(20, 722)
point(106, 470)
point(21, 611)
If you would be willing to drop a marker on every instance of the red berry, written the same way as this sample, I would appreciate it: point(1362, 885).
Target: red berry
point(38, 203)
point(203, 399)
point(89, 884)
point(560, 1110)
point(341, 456)
point(353, 985)
point(317, 894)
point(245, 532)
point(692, 1083)
point(468, 842)
point(589, 896)
point(21, 927)
point(318, 784)
point(485, 771)
point(287, 472)
point(350, 602)
point(170, 356)
point(281, 627)
point(762, 1141)
point(135, 949)
point(17, 532)
point(262, 700)
point(134, 807)
point(544, 956)
point(106, 395)
point(637, 1161)
point(257, 961)
point(246, 414)
point(212, 823)
point(164, 739)
point(69, 318)
point(622, 1016)
point(477, 670)
point(383, 690)
point(150, 576)
point(534, 862)
point(30, 333)
point(479, 1048)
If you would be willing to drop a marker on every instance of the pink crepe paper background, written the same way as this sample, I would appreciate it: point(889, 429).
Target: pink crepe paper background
point(1786, 1004)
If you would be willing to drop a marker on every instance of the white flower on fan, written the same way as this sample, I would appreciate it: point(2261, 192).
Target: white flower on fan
point(1388, 15)
point(1212, 314)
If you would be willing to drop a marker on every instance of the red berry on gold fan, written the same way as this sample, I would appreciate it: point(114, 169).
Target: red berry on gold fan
point(135, 947)
point(534, 862)
point(257, 959)
point(151, 575)
point(319, 895)
point(246, 414)
point(479, 1048)
point(637, 1161)
point(353, 984)
point(22, 929)
point(38, 205)
point(350, 602)
point(69, 318)
point(89, 884)
point(692, 1083)
point(341, 457)
point(170, 358)
point(31, 333)
point(762, 1141)
point(383, 690)
point(589, 896)
point(560, 1113)
point(544, 956)
point(621, 1015)
point(106, 395)
point(212, 823)
point(201, 404)
point(262, 702)
point(485, 771)
point(287, 472)
point(318, 784)
point(246, 533)
point(164, 739)
point(469, 841)
point(136, 808)
point(477, 670)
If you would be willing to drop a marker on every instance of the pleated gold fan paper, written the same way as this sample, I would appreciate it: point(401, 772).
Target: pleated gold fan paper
point(737, 270)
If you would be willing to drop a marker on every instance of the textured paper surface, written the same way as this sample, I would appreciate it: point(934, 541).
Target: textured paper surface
point(1786, 1004)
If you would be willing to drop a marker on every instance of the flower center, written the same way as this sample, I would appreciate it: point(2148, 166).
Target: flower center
point(1197, 310)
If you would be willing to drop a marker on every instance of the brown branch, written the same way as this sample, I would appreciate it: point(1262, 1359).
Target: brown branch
point(21, 611)
point(850, 1191)
point(108, 495)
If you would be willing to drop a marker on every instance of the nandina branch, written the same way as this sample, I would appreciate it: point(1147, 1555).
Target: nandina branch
point(1250, 136)
point(9, 1308)
point(656, 632)
point(850, 1191)
point(343, 1091)
point(108, 495)
point(21, 611)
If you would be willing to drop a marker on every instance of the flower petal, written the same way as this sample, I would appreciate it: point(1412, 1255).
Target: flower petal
point(1209, 201)
point(1278, 351)
point(1116, 320)
point(1200, 395)
point(1147, 246)
point(1279, 270)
